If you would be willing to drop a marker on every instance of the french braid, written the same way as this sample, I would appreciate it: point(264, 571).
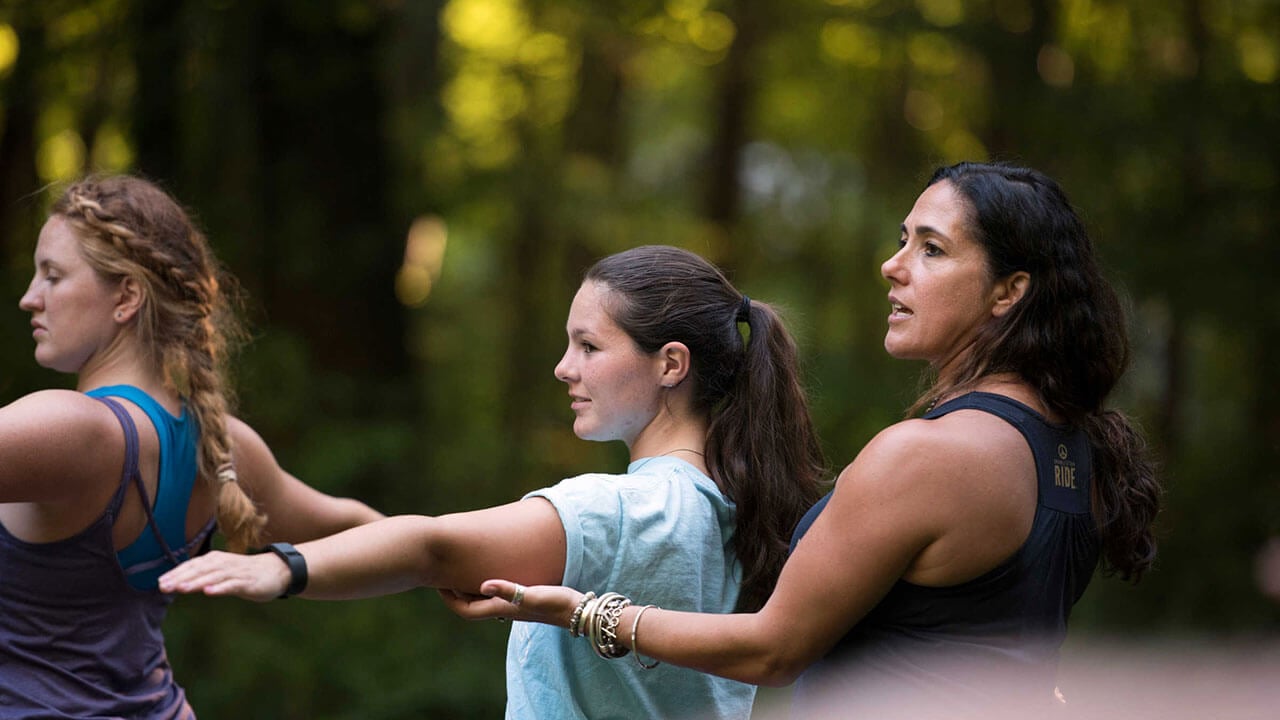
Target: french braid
point(129, 227)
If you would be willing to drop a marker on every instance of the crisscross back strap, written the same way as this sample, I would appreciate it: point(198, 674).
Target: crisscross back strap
point(131, 472)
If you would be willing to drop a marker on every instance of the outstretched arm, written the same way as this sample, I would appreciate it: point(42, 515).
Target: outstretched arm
point(295, 511)
point(823, 590)
point(522, 540)
point(923, 501)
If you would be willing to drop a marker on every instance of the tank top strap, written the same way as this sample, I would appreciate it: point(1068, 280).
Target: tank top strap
point(1006, 408)
point(130, 468)
point(131, 473)
point(1062, 454)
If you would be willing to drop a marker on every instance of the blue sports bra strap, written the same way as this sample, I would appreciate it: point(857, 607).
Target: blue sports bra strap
point(131, 471)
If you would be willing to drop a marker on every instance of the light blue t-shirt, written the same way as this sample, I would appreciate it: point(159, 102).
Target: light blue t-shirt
point(659, 535)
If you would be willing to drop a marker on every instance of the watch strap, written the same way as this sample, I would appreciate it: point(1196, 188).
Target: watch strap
point(297, 567)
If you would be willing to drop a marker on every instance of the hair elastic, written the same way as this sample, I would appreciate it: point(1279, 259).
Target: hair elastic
point(226, 473)
point(744, 310)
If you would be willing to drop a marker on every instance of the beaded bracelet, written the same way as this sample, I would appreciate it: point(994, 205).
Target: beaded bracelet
point(575, 622)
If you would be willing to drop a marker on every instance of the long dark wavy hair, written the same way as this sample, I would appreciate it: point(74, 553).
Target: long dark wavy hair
point(761, 445)
point(1066, 337)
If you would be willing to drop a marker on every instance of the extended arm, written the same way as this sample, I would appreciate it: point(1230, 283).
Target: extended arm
point(917, 503)
point(523, 540)
point(824, 587)
point(295, 511)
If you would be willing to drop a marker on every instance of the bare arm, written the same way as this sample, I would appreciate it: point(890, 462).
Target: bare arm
point(295, 511)
point(522, 540)
point(894, 514)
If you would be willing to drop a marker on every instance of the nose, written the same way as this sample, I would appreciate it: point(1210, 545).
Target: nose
point(562, 367)
point(30, 300)
point(892, 268)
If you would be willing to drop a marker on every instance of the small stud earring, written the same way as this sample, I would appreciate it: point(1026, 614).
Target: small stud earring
point(119, 315)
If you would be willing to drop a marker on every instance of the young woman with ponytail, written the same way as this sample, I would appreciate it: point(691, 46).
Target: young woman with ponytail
point(937, 578)
point(105, 487)
point(703, 386)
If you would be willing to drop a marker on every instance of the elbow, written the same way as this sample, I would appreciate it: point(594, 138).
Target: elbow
point(433, 554)
point(777, 672)
point(775, 664)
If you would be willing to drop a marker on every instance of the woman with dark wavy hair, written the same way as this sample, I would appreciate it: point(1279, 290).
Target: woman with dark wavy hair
point(942, 568)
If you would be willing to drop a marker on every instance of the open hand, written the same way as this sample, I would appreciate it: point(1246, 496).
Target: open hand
point(252, 577)
point(547, 604)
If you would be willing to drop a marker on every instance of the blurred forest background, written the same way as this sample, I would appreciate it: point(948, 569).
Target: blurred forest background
point(408, 191)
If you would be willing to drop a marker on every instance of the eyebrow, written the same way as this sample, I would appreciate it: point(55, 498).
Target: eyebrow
point(926, 230)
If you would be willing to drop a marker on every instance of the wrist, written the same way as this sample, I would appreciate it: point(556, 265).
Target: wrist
point(296, 565)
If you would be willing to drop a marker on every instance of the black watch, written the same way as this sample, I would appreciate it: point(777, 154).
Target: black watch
point(297, 567)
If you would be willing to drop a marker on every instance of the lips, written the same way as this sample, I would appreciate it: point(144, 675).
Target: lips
point(898, 311)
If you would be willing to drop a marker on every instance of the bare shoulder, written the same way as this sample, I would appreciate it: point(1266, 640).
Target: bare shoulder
point(963, 434)
point(55, 444)
point(62, 413)
point(926, 460)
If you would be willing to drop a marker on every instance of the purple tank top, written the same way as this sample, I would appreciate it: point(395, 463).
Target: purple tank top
point(76, 641)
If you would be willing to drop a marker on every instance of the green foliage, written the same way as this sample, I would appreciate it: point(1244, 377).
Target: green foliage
point(784, 139)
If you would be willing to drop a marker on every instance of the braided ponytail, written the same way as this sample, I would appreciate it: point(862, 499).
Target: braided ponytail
point(128, 227)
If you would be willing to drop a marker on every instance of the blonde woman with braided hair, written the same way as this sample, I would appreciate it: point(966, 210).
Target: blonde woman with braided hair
point(127, 295)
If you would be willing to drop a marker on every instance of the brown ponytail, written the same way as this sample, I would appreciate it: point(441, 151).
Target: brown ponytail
point(761, 445)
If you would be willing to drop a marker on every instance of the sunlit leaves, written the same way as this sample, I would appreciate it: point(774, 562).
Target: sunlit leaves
point(943, 13)
point(1103, 31)
point(492, 28)
point(8, 48)
point(508, 71)
point(933, 53)
point(851, 42)
point(1259, 56)
point(112, 151)
point(691, 25)
point(60, 156)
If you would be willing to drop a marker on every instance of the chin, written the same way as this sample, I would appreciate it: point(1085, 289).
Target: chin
point(896, 350)
point(585, 432)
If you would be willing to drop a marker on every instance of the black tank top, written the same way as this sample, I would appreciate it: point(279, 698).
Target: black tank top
point(996, 634)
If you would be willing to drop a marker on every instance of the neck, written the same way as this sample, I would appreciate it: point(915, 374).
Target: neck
point(683, 439)
point(123, 368)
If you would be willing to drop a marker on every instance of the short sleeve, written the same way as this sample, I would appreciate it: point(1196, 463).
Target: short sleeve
point(591, 511)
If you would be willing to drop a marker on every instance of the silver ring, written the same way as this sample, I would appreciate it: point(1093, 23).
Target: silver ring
point(518, 597)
